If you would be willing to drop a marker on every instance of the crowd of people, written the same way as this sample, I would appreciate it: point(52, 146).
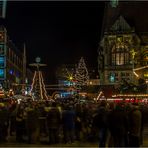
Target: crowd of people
point(110, 124)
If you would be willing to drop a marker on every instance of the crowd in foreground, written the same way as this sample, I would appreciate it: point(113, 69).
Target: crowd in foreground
point(108, 123)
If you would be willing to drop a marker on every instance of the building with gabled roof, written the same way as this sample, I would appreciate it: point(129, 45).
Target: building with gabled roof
point(124, 42)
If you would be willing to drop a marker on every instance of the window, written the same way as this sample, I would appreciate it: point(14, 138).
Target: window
point(1, 73)
point(1, 36)
point(122, 74)
point(2, 62)
point(120, 53)
point(1, 49)
point(112, 77)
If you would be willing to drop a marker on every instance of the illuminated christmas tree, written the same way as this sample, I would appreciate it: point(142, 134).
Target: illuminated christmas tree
point(81, 75)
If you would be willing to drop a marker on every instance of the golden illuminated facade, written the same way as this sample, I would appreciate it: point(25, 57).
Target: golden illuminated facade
point(122, 49)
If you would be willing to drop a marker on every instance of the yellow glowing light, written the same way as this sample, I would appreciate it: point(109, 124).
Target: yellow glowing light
point(90, 82)
point(133, 52)
point(70, 78)
point(146, 75)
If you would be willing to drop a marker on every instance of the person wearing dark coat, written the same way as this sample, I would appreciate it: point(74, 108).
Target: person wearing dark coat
point(101, 121)
point(118, 126)
point(32, 124)
point(4, 123)
point(78, 122)
point(135, 125)
point(53, 123)
point(19, 124)
point(68, 120)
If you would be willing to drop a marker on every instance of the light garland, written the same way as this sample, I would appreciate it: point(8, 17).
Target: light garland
point(41, 84)
point(41, 92)
point(81, 75)
point(135, 74)
point(130, 95)
point(143, 67)
point(99, 95)
point(38, 79)
point(45, 92)
point(32, 85)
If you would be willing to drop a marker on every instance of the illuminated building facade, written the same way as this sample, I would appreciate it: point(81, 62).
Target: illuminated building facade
point(11, 61)
point(124, 43)
point(11, 64)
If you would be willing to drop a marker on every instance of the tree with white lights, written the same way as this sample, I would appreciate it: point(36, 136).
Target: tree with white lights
point(81, 75)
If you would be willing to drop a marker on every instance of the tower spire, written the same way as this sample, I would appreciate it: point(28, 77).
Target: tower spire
point(24, 63)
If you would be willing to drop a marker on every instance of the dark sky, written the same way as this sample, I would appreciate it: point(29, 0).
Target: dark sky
point(58, 32)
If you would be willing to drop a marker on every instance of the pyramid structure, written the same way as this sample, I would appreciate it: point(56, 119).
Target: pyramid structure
point(38, 86)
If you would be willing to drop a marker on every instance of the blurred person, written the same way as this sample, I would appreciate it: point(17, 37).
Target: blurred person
point(19, 123)
point(53, 123)
point(78, 122)
point(32, 124)
point(68, 121)
point(12, 111)
point(101, 121)
point(135, 125)
point(85, 121)
point(4, 122)
point(118, 125)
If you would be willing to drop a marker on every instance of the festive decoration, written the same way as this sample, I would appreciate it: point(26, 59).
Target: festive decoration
point(81, 75)
point(130, 95)
point(133, 53)
point(38, 86)
point(2, 93)
point(143, 67)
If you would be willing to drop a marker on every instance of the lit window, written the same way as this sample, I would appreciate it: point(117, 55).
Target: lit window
point(120, 54)
point(112, 77)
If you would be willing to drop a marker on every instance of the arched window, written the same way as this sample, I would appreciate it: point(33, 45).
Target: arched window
point(120, 54)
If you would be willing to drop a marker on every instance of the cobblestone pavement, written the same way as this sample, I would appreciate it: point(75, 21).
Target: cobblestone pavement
point(11, 143)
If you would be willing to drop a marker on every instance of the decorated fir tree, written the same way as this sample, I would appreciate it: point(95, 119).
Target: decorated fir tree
point(81, 75)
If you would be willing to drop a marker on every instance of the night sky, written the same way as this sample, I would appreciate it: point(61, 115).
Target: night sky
point(58, 32)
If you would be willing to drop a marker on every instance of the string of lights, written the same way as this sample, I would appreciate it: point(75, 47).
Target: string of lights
point(40, 84)
point(143, 67)
point(33, 82)
point(42, 81)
